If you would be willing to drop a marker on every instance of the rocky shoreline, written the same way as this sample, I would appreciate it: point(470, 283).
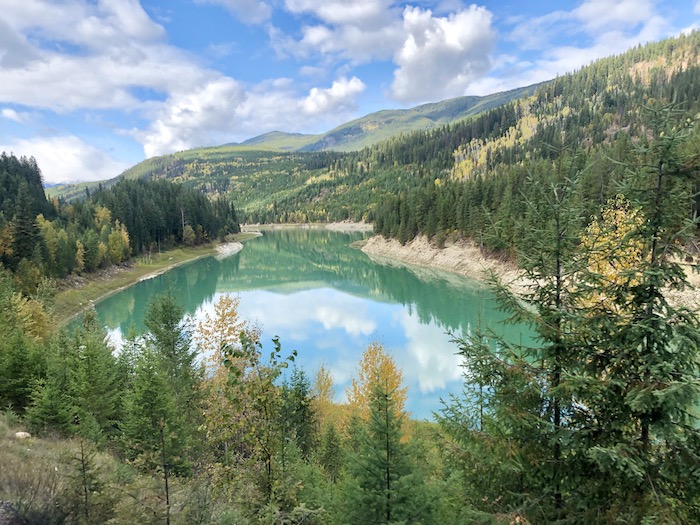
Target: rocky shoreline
point(465, 258)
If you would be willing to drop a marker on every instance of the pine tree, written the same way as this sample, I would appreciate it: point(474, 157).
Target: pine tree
point(387, 488)
point(170, 341)
point(298, 414)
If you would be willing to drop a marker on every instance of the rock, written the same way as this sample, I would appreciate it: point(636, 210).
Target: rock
point(22, 435)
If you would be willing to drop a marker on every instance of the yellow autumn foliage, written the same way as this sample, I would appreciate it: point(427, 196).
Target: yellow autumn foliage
point(376, 367)
point(216, 333)
point(613, 252)
point(31, 316)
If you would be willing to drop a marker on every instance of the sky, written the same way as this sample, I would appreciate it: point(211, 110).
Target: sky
point(92, 87)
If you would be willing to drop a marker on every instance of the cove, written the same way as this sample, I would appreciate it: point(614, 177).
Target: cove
point(328, 301)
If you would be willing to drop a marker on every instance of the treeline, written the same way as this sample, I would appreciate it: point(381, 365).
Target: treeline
point(52, 239)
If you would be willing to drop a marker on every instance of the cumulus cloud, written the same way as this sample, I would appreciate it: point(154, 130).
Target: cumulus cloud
point(15, 116)
point(358, 30)
point(15, 50)
point(442, 56)
point(67, 158)
point(249, 11)
point(93, 25)
point(223, 111)
point(94, 56)
point(194, 118)
point(338, 98)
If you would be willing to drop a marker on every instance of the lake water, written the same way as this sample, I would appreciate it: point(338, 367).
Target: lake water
point(328, 301)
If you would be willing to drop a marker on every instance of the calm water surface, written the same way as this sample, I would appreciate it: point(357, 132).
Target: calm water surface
point(329, 301)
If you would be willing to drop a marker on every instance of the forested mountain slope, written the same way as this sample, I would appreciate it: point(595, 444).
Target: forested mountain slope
point(466, 175)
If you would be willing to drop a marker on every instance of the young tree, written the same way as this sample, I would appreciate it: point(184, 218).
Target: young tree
point(169, 338)
point(386, 488)
point(517, 400)
point(298, 413)
point(376, 367)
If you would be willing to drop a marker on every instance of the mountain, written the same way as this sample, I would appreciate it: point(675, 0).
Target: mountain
point(351, 136)
point(381, 125)
point(452, 176)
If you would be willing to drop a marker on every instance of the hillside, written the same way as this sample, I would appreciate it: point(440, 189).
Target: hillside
point(382, 125)
point(351, 136)
point(458, 175)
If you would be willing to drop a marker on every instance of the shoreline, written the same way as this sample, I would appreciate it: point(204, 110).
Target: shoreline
point(465, 258)
point(345, 226)
point(76, 297)
point(462, 257)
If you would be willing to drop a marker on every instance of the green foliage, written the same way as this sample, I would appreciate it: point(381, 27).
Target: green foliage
point(386, 486)
point(598, 421)
point(297, 412)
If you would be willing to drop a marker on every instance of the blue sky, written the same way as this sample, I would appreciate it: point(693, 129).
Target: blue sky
point(90, 88)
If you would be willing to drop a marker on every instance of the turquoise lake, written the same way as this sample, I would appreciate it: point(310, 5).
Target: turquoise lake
point(328, 301)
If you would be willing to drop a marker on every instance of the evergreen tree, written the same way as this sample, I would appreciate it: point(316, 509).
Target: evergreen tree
point(637, 390)
point(169, 338)
point(297, 412)
point(387, 488)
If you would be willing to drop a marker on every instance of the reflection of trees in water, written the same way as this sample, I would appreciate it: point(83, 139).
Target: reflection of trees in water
point(293, 259)
point(193, 284)
point(321, 256)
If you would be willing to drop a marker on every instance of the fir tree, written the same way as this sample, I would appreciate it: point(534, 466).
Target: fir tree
point(387, 488)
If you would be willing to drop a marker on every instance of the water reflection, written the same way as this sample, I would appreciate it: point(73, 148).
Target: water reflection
point(329, 301)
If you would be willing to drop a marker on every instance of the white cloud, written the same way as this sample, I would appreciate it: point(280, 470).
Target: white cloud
point(93, 25)
point(696, 9)
point(369, 13)
point(358, 30)
point(67, 158)
point(15, 50)
point(249, 11)
point(339, 97)
point(223, 111)
point(442, 56)
point(91, 56)
point(603, 14)
point(11, 114)
point(194, 118)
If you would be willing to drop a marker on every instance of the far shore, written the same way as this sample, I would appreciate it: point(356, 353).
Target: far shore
point(343, 226)
point(465, 258)
point(77, 294)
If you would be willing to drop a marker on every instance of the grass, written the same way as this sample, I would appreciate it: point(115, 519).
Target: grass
point(70, 302)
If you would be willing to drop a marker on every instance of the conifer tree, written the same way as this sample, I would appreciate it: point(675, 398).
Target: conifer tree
point(637, 390)
point(387, 488)
point(169, 339)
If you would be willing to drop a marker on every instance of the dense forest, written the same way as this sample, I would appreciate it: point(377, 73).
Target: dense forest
point(591, 185)
point(42, 240)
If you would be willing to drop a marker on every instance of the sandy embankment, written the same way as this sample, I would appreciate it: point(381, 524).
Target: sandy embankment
point(466, 259)
point(344, 226)
point(228, 249)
